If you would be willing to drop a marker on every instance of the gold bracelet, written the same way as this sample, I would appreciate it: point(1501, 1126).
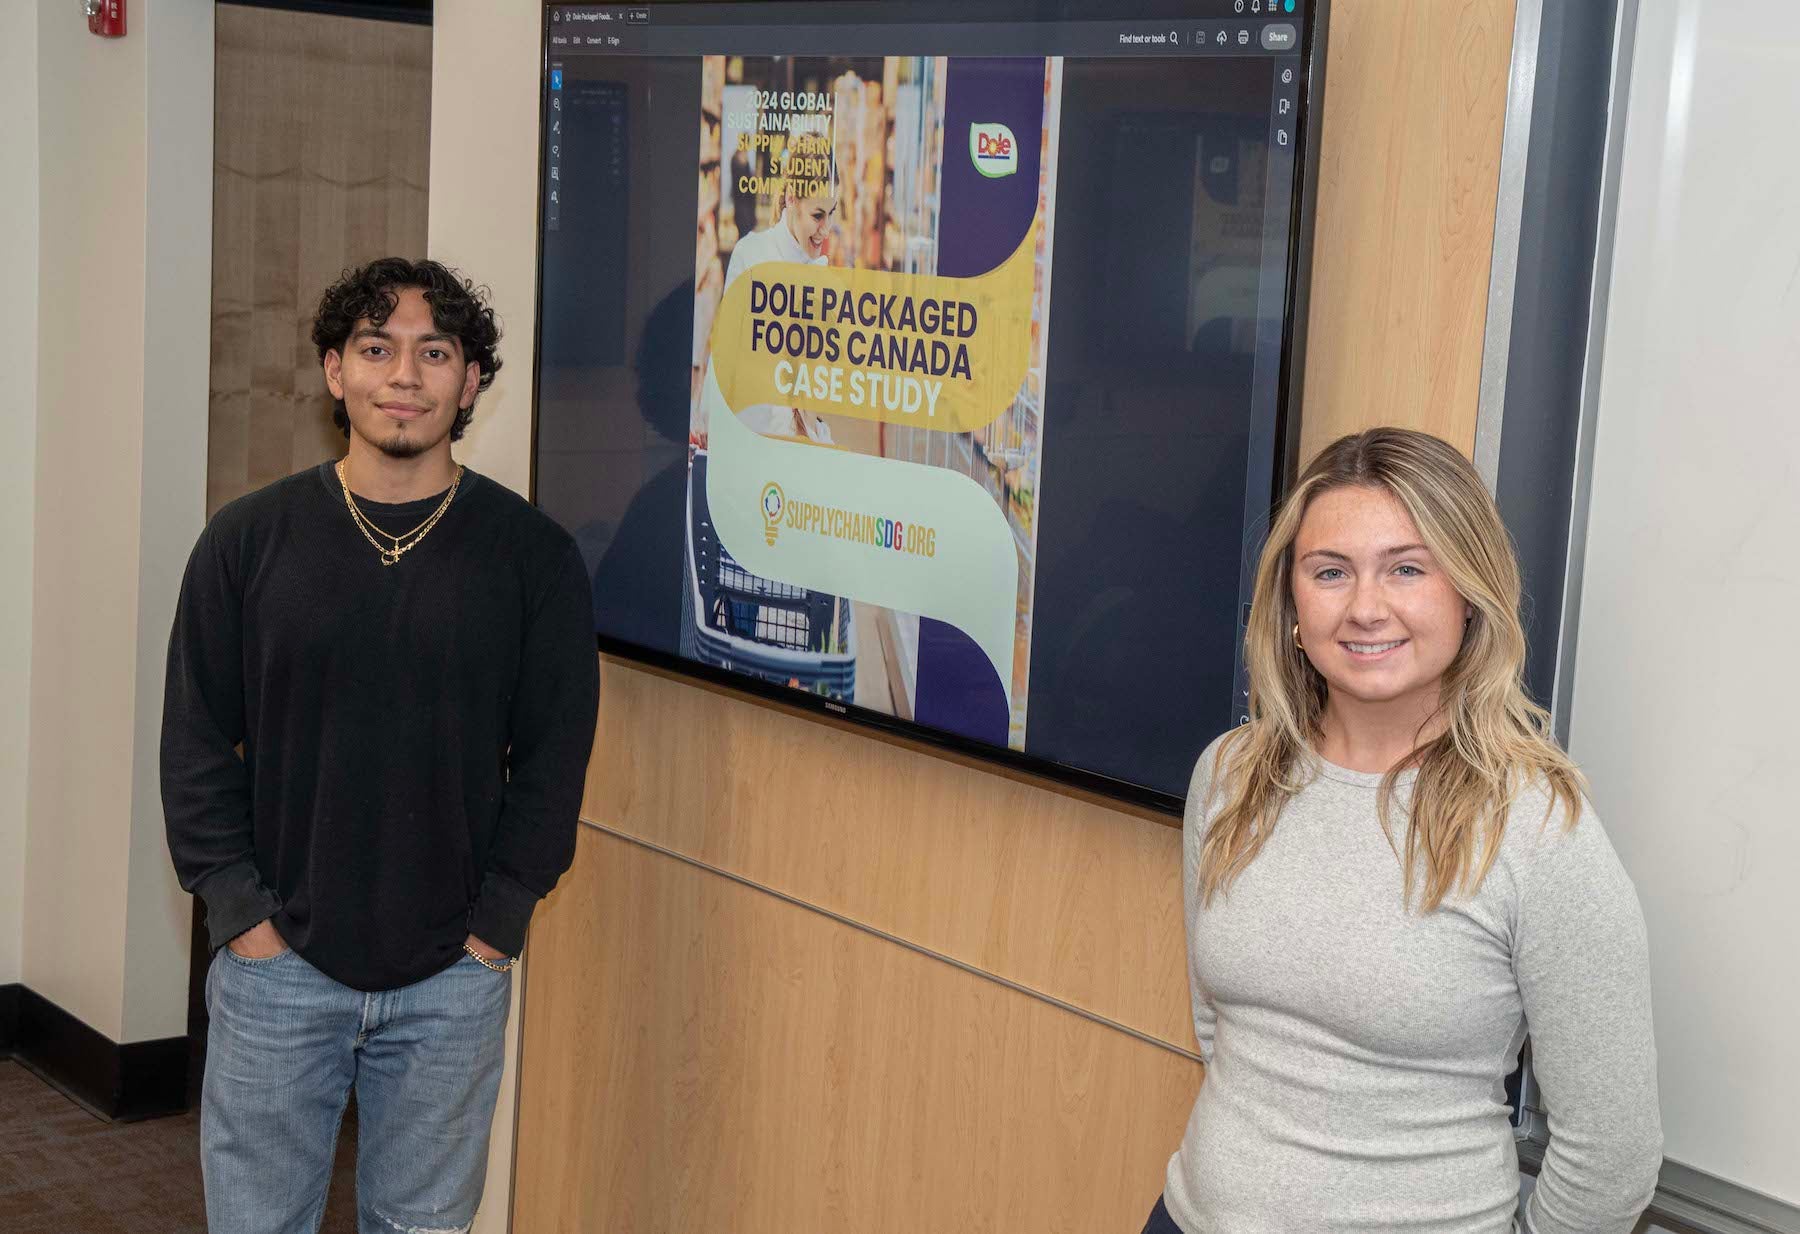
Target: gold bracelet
point(487, 963)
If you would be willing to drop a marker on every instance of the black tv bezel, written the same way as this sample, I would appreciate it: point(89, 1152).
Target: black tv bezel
point(1314, 23)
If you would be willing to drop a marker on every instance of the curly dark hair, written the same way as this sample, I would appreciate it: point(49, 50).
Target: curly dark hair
point(458, 307)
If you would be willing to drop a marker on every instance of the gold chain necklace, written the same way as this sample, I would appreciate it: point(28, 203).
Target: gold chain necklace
point(390, 556)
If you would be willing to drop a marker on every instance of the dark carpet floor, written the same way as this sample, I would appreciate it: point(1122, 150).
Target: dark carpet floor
point(64, 1171)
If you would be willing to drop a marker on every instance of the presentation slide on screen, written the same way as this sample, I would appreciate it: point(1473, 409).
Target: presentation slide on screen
point(871, 298)
point(924, 371)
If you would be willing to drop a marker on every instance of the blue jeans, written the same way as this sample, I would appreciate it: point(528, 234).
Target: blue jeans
point(286, 1046)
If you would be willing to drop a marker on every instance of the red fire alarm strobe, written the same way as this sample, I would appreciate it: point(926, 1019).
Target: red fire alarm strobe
point(106, 17)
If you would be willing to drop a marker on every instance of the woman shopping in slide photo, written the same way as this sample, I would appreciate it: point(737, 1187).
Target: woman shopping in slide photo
point(799, 234)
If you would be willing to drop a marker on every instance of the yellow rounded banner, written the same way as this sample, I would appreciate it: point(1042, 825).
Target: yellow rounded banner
point(920, 349)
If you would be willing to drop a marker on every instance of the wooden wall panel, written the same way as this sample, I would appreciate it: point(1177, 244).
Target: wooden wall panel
point(1070, 898)
point(749, 1065)
point(1415, 107)
point(322, 137)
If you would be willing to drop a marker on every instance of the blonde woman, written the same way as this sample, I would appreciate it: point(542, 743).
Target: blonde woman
point(799, 235)
point(1391, 877)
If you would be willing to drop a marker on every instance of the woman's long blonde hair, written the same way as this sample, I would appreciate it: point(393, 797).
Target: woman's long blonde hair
point(1497, 741)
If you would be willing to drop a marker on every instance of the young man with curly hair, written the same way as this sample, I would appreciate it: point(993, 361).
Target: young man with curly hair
point(381, 697)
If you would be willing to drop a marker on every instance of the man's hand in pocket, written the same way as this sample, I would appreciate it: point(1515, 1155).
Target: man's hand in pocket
point(259, 942)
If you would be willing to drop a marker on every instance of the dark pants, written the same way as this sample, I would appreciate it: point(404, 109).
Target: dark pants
point(1160, 1222)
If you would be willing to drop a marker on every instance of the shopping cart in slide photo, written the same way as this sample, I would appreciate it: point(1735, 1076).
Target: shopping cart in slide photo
point(774, 631)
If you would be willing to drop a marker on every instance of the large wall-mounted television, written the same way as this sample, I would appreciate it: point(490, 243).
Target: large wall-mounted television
point(931, 363)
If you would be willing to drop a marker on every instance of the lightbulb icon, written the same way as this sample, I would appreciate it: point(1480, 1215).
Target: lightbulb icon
point(773, 502)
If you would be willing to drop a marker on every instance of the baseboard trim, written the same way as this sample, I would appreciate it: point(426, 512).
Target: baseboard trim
point(1713, 1204)
point(9, 1016)
point(141, 1079)
point(1699, 1202)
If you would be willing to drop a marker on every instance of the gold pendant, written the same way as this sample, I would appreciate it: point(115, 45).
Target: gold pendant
point(389, 557)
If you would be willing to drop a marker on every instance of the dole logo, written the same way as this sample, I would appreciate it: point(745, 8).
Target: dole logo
point(993, 149)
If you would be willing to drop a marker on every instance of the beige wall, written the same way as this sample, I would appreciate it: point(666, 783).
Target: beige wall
point(483, 214)
point(178, 116)
point(483, 221)
point(124, 129)
point(18, 442)
point(90, 283)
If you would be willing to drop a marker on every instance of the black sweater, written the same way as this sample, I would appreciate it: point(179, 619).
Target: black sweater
point(415, 737)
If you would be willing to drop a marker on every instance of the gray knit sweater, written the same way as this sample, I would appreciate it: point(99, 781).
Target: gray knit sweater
point(1355, 1050)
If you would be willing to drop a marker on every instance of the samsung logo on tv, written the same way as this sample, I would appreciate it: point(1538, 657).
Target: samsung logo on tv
point(993, 149)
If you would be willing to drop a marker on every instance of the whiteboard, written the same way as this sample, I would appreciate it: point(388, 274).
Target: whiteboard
point(1685, 706)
